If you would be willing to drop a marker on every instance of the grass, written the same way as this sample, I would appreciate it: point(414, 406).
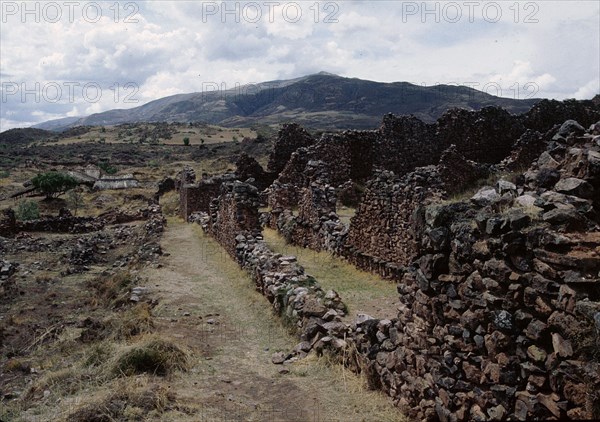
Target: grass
point(132, 322)
point(170, 203)
point(113, 288)
point(130, 400)
point(345, 214)
point(361, 291)
point(154, 356)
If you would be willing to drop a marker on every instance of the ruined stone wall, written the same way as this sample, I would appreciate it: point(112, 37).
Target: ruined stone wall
point(405, 143)
point(456, 173)
point(316, 206)
point(187, 176)
point(197, 197)
point(547, 113)
point(379, 237)
point(346, 156)
point(485, 136)
point(8, 223)
point(290, 137)
point(500, 306)
point(234, 212)
point(248, 168)
point(62, 225)
point(529, 146)
point(500, 315)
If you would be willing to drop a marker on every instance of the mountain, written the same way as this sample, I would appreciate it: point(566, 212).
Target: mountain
point(321, 100)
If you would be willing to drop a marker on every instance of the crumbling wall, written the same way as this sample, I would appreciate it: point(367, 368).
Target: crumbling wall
point(485, 136)
point(234, 212)
point(456, 173)
point(346, 156)
point(500, 306)
point(8, 224)
point(291, 136)
point(379, 238)
point(316, 206)
point(187, 176)
point(405, 143)
point(248, 168)
point(500, 314)
point(547, 113)
point(197, 197)
point(68, 224)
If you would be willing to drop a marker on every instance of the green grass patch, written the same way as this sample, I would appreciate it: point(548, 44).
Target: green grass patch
point(358, 289)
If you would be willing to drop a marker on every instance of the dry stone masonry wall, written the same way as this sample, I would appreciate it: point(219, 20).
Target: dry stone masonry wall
point(500, 298)
point(197, 197)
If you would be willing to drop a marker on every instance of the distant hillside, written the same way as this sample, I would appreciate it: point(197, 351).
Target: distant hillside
point(322, 100)
point(24, 136)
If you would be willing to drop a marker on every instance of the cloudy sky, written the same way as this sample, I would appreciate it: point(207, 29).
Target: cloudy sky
point(74, 58)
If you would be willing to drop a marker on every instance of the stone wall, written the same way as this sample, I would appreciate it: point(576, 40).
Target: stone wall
point(8, 223)
point(248, 168)
point(234, 212)
point(197, 197)
point(380, 238)
point(316, 207)
point(290, 137)
point(187, 176)
point(404, 143)
point(500, 306)
point(547, 113)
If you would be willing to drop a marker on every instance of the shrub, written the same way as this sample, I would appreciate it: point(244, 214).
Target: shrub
point(27, 210)
point(106, 167)
point(53, 183)
point(75, 200)
point(186, 141)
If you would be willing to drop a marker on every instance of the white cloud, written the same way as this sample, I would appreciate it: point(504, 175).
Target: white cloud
point(175, 47)
point(588, 91)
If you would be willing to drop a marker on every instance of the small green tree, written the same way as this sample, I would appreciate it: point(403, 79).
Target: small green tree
point(27, 210)
point(53, 183)
point(186, 141)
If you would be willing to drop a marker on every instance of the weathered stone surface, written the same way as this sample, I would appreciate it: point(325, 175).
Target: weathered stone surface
point(575, 187)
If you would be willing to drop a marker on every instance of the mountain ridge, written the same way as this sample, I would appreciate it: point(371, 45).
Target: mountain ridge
point(319, 101)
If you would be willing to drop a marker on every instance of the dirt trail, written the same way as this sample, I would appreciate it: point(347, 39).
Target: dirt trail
point(208, 305)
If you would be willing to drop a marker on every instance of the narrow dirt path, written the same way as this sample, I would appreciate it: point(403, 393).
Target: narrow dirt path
point(208, 305)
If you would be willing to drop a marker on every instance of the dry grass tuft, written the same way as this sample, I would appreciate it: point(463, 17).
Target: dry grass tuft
point(170, 203)
point(154, 356)
point(132, 322)
point(130, 401)
point(113, 288)
point(98, 354)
